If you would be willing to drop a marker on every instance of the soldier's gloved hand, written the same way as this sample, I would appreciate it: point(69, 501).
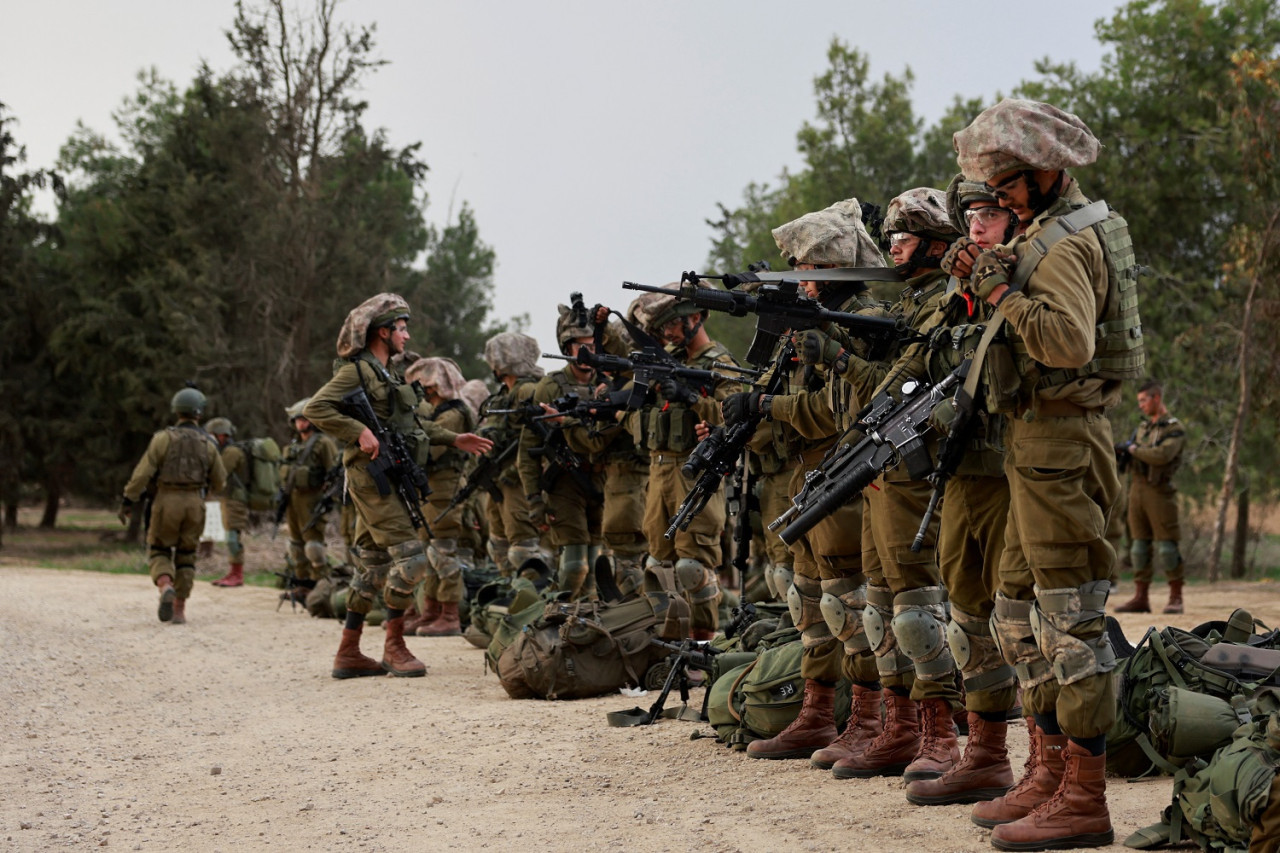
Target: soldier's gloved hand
point(677, 393)
point(538, 515)
point(990, 271)
point(126, 510)
point(958, 261)
point(817, 347)
point(943, 415)
point(738, 407)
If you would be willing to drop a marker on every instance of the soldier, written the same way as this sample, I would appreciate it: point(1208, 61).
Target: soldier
point(235, 500)
point(441, 382)
point(513, 539)
point(184, 464)
point(390, 555)
point(1066, 289)
point(565, 503)
point(667, 429)
point(307, 465)
point(827, 595)
point(1155, 454)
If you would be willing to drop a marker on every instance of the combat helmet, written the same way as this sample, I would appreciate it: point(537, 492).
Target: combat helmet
point(1021, 134)
point(437, 372)
point(573, 323)
point(921, 211)
point(220, 426)
point(659, 309)
point(961, 194)
point(374, 313)
point(834, 236)
point(295, 411)
point(512, 354)
point(188, 402)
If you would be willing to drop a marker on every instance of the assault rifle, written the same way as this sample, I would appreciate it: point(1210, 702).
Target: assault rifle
point(282, 507)
point(653, 364)
point(394, 469)
point(335, 481)
point(894, 431)
point(592, 409)
point(781, 308)
point(1123, 456)
point(483, 476)
point(716, 456)
point(560, 457)
point(684, 655)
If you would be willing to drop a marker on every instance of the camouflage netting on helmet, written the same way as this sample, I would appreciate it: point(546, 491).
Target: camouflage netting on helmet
point(473, 393)
point(921, 211)
point(1019, 134)
point(658, 309)
point(961, 194)
point(513, 354)
point(443, 373)
point(832, 236)
point(220, 426)
point(370, 314)
point(567, 329)
point(295, 411)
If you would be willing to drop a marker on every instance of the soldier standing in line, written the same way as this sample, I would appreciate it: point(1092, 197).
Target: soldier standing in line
point(184, 464)
point(390, 555)
point(234, 500)
point(565, 504)
point(305, 463)
point(1155, 454)
point(1066, 288)
point(443, 588)
point(513, 358)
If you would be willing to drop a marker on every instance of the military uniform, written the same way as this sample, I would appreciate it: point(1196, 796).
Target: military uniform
point(304, 465)
point(512, 537)
point(184, 464)
point(1156, 454)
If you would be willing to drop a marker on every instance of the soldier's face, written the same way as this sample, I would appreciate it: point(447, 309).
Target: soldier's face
point(988, 223)
point(811, 287)
point(1012, 193)
point(1148, 403)
point(398, 336)
point(902, 246)
point(672, 331)
point(301, 424)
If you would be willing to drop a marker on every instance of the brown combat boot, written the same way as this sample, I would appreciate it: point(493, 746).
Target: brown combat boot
point(983, 772)
point(447, 624)
point(430, 613)
point(1175, 598)
point(939, 749)
point(168, 595)
point(813, 729)
point(891, 750)
point(863, 726)
point(349, 663)
point(1139, 602)
point(1076, 815)
point(179, 612)
point(396, 658)
point(234, 577)
point(1041, 776)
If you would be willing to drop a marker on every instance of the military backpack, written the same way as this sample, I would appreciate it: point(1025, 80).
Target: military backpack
point(263, 468)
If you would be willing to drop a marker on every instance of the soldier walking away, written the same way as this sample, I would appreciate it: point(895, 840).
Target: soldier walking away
point(234, 500)
point(1154, 455)
point(391, 557)
point(1066, 289)
point(183, 463)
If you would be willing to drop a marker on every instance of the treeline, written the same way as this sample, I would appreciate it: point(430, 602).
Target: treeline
point(222, 242)
point(1187, 106)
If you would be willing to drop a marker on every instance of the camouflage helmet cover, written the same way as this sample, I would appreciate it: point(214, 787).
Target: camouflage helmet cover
point(436, 371)
point(832, 236)
point(220, 426)
point(658, 309)
point(567, 330)
point(189, 402)
point(1020, 134)
point(295, 411)
point(374, 312)
point(513, 354)
point(961, 194)
point(473, 393)
point(921, 211)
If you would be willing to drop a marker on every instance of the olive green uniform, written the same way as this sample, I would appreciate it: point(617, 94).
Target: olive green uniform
point(512, 537)
point(444, 581)
point(1155, 455)
point(303, 466)
point(1061, 468)
point(235, 499)
point(391, 557)
point(185, 464)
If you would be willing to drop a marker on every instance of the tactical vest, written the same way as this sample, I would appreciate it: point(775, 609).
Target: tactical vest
point(302, 468)
point(391, 394)
point(450, 457)
point(840, 394)
point(1118, 348)
point(670, 426)
point(186, 462)
point(1150, 435)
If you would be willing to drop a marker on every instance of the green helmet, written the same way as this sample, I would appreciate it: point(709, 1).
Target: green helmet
point(220, 426)
point(189, 402)
point(921, 211)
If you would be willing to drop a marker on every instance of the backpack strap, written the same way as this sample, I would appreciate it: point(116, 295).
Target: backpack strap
point(1061, 227)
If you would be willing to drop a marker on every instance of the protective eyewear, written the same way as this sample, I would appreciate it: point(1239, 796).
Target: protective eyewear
point(1001, 190)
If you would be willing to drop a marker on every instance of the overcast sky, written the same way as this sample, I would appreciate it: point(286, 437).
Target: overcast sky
point(592, 139)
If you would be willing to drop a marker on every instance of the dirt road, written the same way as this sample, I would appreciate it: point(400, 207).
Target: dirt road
point(229, 734)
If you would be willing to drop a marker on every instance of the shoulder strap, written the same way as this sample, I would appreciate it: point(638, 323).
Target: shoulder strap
point(1061, 227)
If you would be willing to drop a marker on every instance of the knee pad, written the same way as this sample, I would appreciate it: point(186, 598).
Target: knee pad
point(574, 568)
point(1140, 553)
point(1011, 631)
point(184, 559)
point(317, 555)
point(976, 653)
point(779, 579)
point(235, 548)
point(876, 618)
point(522, 551)
point(497, 549)
point(1055, 621)
point(696, 580)
point(442, 556)
point(804, 600)
point(408, 565)
point(842, 605)
point(184, 581)
point(296, 556)
point(919, 624)
point(1167, 556)
point(466, 559)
